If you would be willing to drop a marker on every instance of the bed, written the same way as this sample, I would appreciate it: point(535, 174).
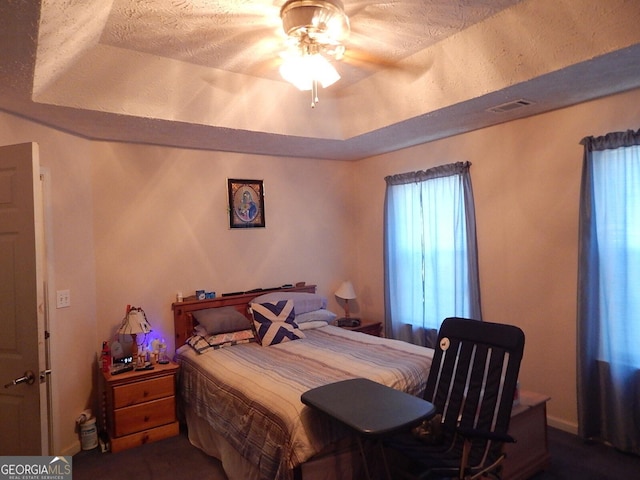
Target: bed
point(241, 399)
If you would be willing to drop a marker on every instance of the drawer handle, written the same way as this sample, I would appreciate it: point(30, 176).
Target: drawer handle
point(147, 418)
point(145, 394)
point(145, 438)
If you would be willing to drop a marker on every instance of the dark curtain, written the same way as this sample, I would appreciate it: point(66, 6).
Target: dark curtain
point(608, 316)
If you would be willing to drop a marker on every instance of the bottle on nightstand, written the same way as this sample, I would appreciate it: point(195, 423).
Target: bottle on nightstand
point(162, 353)
point(105, 357)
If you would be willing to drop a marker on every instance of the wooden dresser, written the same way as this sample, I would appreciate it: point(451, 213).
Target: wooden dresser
point(140, 406)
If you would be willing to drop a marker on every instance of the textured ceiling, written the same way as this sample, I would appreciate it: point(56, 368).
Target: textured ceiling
point(245, 36)
point(203, 74)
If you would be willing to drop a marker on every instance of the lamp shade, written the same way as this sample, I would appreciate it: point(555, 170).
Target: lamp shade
point(134, 322)
point(346, 291)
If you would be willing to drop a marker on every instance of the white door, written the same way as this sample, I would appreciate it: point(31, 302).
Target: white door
point(22, 307)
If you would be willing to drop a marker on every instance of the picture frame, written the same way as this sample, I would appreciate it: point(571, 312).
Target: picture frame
point(246, 203)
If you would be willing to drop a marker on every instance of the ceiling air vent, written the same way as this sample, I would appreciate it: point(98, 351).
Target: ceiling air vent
point(507, 107)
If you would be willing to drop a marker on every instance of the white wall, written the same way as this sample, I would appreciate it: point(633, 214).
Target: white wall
point(526, 181)
point(161, 226)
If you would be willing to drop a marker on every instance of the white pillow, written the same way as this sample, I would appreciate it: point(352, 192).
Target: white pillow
point(321, 314)
point(303, 302)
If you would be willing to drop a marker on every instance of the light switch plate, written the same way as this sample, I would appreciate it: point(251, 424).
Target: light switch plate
point(63, 298)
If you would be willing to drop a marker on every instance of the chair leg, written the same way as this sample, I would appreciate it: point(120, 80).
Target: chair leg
point(464, 459)
point(363, 454)
point(384, 460)
point(379, 444)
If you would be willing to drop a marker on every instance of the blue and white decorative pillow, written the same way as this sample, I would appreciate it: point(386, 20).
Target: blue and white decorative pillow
point(274, 322)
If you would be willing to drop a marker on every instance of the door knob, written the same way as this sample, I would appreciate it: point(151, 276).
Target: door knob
point(28, 378)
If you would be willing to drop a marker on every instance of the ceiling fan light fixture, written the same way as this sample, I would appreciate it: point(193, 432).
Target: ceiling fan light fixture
point(304, 70)
point(322, 21)
point(316, 30)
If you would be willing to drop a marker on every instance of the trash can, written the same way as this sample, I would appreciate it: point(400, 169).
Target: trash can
point(89, 434)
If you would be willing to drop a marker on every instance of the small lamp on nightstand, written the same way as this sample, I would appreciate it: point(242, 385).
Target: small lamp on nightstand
point(346, 293)
point(134, 323)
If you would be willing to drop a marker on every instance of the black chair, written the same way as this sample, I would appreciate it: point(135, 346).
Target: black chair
point(472, 382)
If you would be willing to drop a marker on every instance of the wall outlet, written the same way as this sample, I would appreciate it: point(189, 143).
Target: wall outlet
point(63, 298)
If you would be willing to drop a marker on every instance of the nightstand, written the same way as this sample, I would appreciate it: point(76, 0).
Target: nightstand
point(370, 328)
point(140, 406)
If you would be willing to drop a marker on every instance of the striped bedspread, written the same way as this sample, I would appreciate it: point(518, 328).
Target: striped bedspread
point(251, 394)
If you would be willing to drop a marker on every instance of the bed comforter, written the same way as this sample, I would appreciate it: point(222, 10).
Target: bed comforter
point(251, 394)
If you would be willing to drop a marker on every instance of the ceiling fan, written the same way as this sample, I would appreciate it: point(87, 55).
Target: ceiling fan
point(316, 31)
point(316, 34)
point(267, 38)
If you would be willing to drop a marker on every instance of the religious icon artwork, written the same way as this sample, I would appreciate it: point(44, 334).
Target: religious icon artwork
point(246, 203)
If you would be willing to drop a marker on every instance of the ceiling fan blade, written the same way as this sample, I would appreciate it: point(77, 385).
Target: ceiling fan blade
point(265, 68)
point(361, 64)
point(409, 25)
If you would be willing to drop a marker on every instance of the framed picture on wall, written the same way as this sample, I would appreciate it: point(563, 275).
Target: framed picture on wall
point(246, 203)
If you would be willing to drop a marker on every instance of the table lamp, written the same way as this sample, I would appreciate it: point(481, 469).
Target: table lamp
point(346, 292)
point(134, 323)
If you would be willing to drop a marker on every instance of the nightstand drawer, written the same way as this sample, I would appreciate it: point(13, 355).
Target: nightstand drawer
point(144, 391)
point(146, 436)
point(144, 416)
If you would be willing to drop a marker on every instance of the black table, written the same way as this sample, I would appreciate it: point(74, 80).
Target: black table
point(369, 408)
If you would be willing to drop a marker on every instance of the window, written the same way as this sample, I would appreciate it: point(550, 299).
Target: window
point(616, 193)
point(431, 268)
point(608, 290)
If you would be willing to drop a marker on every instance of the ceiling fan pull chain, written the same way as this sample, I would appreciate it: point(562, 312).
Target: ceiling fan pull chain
point(314, 93)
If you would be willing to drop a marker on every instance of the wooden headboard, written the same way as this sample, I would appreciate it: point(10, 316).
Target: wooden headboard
point(183, 322)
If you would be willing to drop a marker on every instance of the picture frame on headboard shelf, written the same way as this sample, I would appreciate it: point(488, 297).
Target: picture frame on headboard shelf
point(246, 203)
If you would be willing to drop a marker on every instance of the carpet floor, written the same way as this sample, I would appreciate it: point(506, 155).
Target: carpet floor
point(176, 458)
